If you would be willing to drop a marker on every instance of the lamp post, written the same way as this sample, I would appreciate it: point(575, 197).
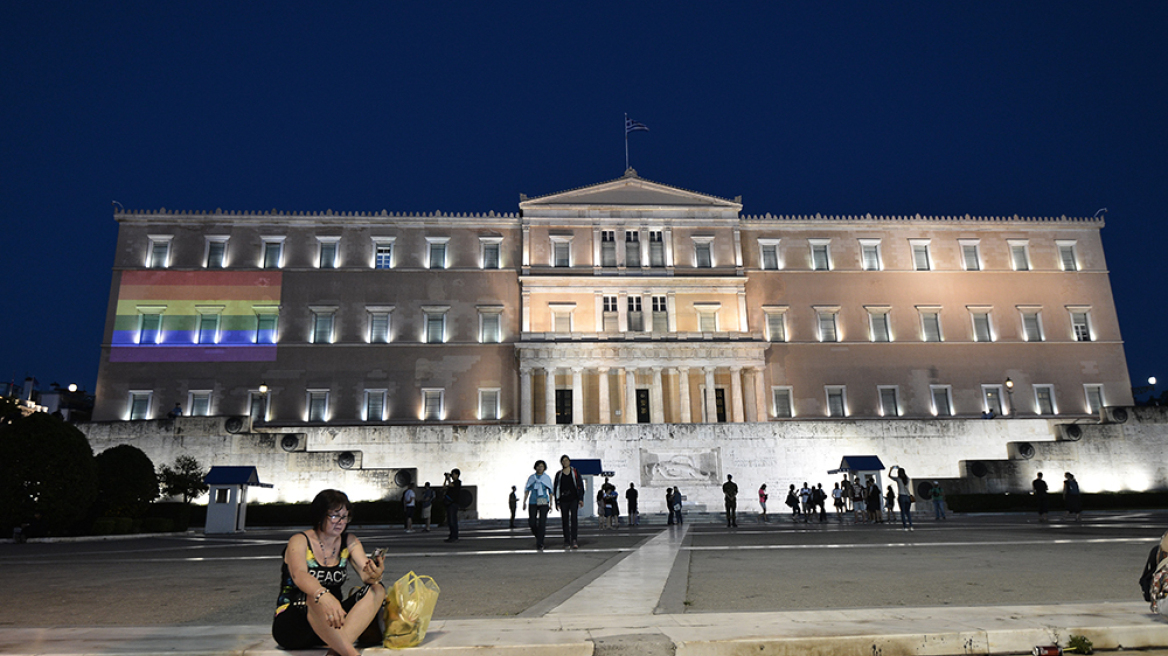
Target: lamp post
point(1010, 394)
point(262, 411)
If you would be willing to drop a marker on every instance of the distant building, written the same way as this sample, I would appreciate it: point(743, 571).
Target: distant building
point(626, 301)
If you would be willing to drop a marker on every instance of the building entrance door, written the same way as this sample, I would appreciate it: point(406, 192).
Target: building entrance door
point(642, 406)
point(720, 404)
point(563, 406)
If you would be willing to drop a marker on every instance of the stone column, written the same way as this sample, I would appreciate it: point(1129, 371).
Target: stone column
point(760, 395)
point(630, 396)
point(525, 401)
point(657, 399)
point(549, 401)
point(577, 395)
point(683, 391)
point(749, 402)
point(710, 400)
point(736, 395)
point(604, 405)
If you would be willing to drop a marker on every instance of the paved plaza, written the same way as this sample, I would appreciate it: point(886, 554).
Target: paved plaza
point(696, 584)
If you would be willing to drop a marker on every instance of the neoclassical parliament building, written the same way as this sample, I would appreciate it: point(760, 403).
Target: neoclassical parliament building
point(627, 301)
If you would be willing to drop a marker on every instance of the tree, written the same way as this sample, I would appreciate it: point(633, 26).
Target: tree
point(127, 482)
point(47, 468)
point(184, 480)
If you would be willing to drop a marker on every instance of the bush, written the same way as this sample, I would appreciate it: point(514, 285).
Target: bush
point(157, 525)
point(113, 526)
point(48, 475)
point(126, 482)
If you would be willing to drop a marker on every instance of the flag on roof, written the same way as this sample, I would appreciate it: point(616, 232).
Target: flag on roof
point(634, 126)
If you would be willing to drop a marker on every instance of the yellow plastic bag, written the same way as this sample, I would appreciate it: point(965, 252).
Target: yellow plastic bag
point(408, 609)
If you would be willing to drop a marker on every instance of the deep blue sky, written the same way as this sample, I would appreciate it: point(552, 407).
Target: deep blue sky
point(986, 108)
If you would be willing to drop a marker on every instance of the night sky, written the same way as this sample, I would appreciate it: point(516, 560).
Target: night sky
point(944, 108)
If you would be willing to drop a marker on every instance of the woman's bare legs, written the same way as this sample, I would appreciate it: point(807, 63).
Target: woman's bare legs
point(340, 641)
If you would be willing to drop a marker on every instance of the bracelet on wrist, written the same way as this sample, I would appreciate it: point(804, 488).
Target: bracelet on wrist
point(316, 599)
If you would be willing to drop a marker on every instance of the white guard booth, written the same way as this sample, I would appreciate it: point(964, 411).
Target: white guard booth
point(227, 507)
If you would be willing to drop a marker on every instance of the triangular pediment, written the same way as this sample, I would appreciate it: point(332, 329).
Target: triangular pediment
point(627, 192)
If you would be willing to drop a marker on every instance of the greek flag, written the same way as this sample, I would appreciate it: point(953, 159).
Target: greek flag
point(634, 126)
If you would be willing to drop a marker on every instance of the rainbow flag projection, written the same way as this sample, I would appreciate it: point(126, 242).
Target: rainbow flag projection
point(196, 316)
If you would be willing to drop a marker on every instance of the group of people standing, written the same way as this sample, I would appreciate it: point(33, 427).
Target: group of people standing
point(1072, 498)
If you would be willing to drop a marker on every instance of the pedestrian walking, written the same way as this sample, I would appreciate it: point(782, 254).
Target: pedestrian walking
point(1040, 489)
point(568, 491)
point(512, 502)
point(409, 501)
point(677, 503)
point(1072, 499)
point(730, 492)
point(938, 496)
point(821, 501)
point(451, 490)
point(872, 501)
point(669, 504)
point(631, 495)
point(427, 506)
point(859, 508)
point(539, 491)
point(846, 487)
point(611, 507)
point(837, 496)
point(904, 497)
point(762, 499)
point(793, 503)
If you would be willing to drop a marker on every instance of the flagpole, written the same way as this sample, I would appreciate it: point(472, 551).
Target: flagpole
point(626, 142)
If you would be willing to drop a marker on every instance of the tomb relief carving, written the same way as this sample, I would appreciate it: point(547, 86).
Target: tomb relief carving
point(665, 469)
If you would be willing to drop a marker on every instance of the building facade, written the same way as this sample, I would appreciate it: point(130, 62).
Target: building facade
point(627, 301)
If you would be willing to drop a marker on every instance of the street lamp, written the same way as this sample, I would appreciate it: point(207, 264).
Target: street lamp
point(1010, 394)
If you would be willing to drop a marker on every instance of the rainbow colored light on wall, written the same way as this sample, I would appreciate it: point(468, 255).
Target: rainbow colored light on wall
point(238, 298)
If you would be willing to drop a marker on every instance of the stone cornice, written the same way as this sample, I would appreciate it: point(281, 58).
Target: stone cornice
point(641, 355)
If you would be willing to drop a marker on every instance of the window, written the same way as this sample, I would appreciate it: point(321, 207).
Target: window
point(322, 325)
point(707, 316)
point(942, 400)
point(776, 324)
point(437, 256)
point(562, 317)
point(930, 324)
point(632, 248)
point(836, 401)
point(981, 325)
point(782, 400)
point(920, 251)
point(216, 252)
point(266, 321)
point(660, 314)
point(208, 326)
point(490, 324)
point(656, 249)
point(327, 252)
point(318, 405)
point(490, 251)
point(273, 253)
point(199, 403)
point(257, 405)
point(970, 254)
point(1044, 399)
point(561, 252)
point(432, 409)
point(993, 399)
point(608, 248)
point(379, 325)
point(827, 324)
point(878, 324)
point(374, 405)
point(1067, 257)
point(159, 256)
point(140, 405)
point(610, 314)
point(703, 253)
point(820, 258)
point(1020, 254)
point(768, 254)
point(435, 324)
point(149, 326)
point(636, 319)
point(1094, 398)
point(383, 252)
point(888, 403)
point(488, 404)
point(1031, 325)
point(870, 254)
point(1081, 325)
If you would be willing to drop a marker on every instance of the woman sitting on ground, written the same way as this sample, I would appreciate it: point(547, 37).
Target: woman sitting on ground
point(309, 610)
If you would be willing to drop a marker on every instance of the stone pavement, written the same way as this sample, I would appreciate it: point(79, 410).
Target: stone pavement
point(604, 618)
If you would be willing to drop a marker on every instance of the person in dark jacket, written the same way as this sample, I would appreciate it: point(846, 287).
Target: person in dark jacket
point(568, 491)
